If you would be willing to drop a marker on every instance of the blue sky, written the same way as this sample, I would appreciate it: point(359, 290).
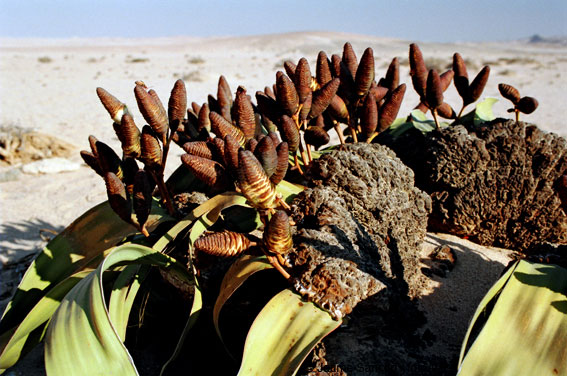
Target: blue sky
point(427, 20)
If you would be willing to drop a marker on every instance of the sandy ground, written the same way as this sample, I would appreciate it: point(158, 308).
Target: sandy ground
point(49, 86)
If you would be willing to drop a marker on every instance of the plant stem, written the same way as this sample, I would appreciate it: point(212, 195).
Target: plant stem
point(434, 112)
point(353, 134)
point(158, 177)
point(339, 133)
point(460, 112)
point(308, 147)
point(297, 164)
point(275, 263)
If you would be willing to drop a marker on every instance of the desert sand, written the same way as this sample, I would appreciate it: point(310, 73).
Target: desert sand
point(48, 86)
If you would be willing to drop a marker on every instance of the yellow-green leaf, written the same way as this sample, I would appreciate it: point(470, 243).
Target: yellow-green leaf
point(235, 276)
point(526, 331)
point(82, 245)
point(14, 341)
point(81, 338)
point(283, 334)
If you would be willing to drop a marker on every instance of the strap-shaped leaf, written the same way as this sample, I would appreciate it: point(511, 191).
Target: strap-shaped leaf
point(526, 332)
point(283, 334)
point(81, 339)
point(123, 294)
point(209, 213)
point(81, 245)
point(15, 340)
point(235, 276)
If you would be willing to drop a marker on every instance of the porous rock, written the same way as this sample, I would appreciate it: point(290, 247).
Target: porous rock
point(495, 184)
point(359, 229)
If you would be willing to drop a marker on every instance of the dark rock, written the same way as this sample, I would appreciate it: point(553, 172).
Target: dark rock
point(359, 230)
point(496, 184)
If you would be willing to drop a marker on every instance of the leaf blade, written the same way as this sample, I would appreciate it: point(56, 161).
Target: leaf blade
point(287, 328)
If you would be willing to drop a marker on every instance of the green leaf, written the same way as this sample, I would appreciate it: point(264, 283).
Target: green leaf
point(235, 276)
point(83, 244)
point(483, 111)
point(81, 335)
point(283, 334)
point(209, 213)
point(526, 331)
point(289, 190)
point(193, 316)
point(123, 294)
point(18, 338)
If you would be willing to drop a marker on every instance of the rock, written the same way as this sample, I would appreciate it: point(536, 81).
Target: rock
point(18, 145)
point(497, 184)
point(368, 194)
point(50, 166)
point(359, 229)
